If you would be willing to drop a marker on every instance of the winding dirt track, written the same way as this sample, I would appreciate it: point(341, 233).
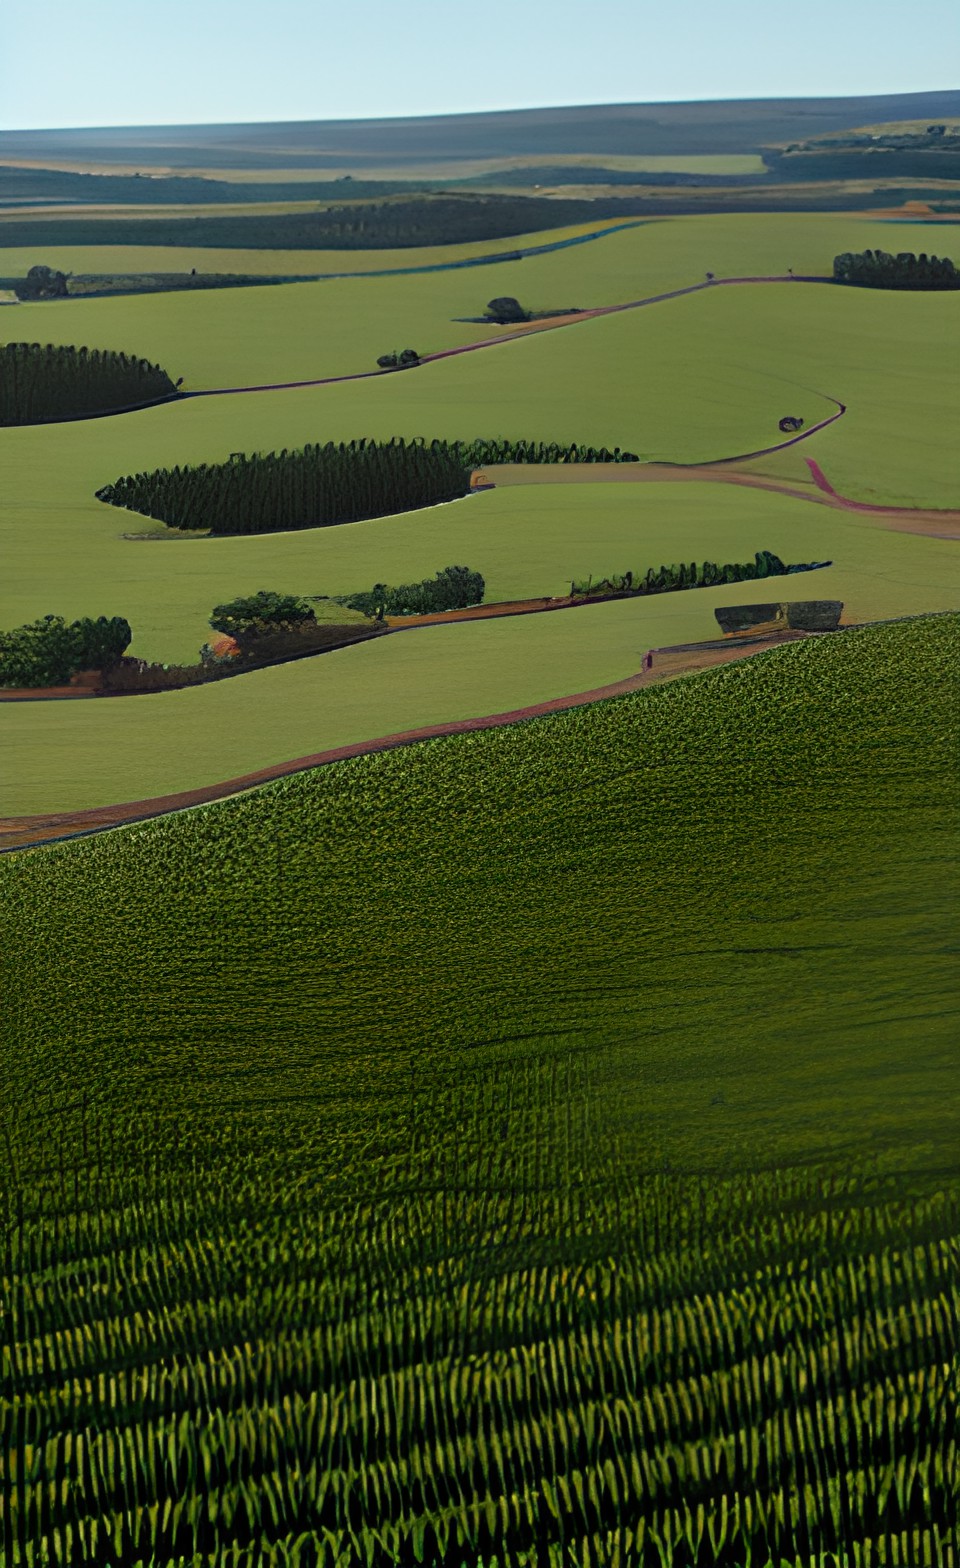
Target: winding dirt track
point(30, 832)
point(33, 832)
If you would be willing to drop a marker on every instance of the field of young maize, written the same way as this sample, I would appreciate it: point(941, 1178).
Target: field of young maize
point(567, 1187)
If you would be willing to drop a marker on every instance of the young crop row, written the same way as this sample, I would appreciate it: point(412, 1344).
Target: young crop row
point(40, 382)
point(178, 1380)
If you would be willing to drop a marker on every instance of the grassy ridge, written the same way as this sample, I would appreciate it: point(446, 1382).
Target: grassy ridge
point(453, 1145)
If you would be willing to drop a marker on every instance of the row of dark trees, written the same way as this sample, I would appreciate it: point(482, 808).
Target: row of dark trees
point(48, 381)
point(877, 269)
point(324, 485)
point(455, 588)
point(707, 574)
point(424, 220)
point(49, 651)
point(480, 453)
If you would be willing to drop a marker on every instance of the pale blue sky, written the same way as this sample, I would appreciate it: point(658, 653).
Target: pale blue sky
point(162, 62)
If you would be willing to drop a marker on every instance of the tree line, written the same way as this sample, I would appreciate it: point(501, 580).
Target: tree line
point(324, 485)
point(453, 588)
point(707, 574)
point(49, 381)
point(877, 269)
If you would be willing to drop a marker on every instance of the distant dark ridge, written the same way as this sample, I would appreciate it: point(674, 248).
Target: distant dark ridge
point(595, 174)
point(738, 125)
point(18, 186)
point(451, 220)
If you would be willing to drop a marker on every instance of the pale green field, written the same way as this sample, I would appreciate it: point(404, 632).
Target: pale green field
point(526, 540)
point(688, 380)
point(178, 258)
point(661, 253)
point(306, 331)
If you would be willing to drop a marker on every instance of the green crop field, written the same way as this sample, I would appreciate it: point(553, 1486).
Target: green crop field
point(534, 1148)
point(515, 1149)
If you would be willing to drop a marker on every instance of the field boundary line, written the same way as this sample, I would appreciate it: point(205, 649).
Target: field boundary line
point(101, 819)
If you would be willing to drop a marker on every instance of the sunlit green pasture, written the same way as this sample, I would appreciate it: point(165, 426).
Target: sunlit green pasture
point(177, 258)
point(662, 252)
point(60, 756)
point(687, 381)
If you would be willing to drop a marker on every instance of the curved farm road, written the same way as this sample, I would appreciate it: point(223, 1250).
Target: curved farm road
point(18, 833)
point(934, 522)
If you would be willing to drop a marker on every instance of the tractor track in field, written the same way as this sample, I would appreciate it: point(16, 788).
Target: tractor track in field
point(48, 828)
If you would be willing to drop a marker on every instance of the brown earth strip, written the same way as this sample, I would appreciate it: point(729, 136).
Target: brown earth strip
point(934, 522)
point(33, 831)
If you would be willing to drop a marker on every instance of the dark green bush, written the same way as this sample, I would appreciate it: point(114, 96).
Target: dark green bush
point(455, 588)
point(49, 651)
point(263, 609)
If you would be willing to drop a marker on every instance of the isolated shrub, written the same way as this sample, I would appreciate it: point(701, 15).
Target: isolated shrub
point(264, 609)
point(506, 309)
point(48, 652)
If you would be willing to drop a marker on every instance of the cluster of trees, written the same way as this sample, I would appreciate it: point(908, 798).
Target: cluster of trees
point(401, 361)
point(40, 382)
point(49, 651)
point(482, 452)
point(454, 588)
point(707, 574)
point(43, 283)
point(324, 485)
point(877, 269)
point(259, 611)
point(318, 487)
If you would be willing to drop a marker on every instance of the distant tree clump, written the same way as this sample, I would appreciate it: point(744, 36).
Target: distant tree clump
point(455, 588)
point(401, 361)
point(877, 269)
point(259, 611)
point(49, 651)
point(43, 283)
point(51, 382)
point(506, 310)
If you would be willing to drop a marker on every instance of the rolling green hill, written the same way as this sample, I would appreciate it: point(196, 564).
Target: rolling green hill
point(403, 1147)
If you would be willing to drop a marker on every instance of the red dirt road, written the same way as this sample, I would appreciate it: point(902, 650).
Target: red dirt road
point(32, 832)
